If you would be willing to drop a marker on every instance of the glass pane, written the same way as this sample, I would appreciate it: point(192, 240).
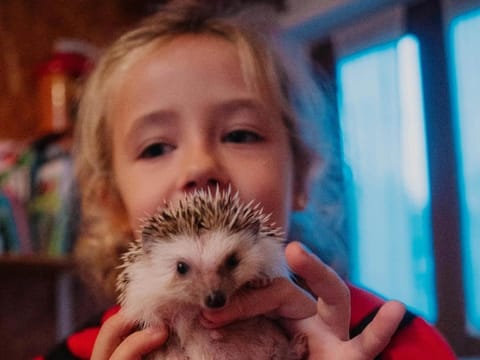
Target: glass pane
point(382, 124)
point(465, 38)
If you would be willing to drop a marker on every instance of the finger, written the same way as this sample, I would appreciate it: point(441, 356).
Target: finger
point(321, 279)
point(110, 336)
point(140, 343)
point(333, 305)
point(280, 299)
point(378, 333)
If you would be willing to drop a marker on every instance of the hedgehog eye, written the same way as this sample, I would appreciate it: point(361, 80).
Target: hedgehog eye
point(232, 261)
point(182, 268)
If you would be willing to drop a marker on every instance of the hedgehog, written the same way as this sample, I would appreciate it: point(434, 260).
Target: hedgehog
point(198, 253)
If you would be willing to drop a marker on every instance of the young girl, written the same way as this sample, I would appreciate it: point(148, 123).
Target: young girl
point(194, 99)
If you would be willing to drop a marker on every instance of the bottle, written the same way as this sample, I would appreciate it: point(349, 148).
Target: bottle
point(58, 82)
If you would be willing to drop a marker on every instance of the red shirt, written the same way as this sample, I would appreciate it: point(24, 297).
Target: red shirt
point(414, 339)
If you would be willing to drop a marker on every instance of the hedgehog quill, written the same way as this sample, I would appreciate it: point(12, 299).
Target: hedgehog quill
point(197, 254)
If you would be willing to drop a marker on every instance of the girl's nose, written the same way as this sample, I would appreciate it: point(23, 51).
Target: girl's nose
point(202, 169)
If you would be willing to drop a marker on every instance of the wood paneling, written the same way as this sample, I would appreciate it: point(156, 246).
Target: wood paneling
point(28, 30)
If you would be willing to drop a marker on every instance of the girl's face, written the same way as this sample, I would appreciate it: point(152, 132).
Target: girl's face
point(183, 118)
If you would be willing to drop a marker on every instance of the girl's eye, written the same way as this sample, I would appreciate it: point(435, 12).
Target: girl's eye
point(242, 136)
point(155, 149)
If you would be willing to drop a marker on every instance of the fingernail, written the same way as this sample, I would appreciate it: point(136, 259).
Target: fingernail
point(209, 324)
point(304, 248)
point(206, 323)
point(157, 329)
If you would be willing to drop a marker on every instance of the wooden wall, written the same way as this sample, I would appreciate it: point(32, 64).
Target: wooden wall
point(28, 30)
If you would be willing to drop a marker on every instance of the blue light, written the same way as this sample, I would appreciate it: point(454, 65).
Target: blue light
point(465, 43)
point(382, 124)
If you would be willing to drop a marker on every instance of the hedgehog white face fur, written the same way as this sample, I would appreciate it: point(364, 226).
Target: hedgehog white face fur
point(196, 254)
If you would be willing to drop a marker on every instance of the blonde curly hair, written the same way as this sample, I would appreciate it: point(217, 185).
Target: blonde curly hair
point(105, 230)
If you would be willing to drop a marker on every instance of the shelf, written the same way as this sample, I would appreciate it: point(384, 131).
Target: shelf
point(34, 264)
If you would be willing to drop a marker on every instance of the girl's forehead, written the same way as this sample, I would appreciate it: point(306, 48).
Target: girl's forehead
point(252, 66)
point(186, 63)
point(258, 69)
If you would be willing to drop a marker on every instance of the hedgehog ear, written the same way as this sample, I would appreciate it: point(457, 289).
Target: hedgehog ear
point(253, 229)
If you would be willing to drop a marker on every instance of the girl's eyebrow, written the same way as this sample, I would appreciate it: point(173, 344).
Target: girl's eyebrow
point(145, 123)
point(232, 106)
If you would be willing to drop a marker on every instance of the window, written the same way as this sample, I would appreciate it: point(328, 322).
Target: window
point(382, 126)
point(465, 47)
point(403, 204)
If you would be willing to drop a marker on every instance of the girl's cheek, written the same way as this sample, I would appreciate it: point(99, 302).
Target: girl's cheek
point(149, 203)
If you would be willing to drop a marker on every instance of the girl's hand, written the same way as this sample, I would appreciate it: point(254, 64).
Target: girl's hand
point(328, 330)
point(325, 321)
point(117, 341)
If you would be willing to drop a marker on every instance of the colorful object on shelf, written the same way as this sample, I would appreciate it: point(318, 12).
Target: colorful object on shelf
point(15, 165)
point(52, 203)
point(37, 197)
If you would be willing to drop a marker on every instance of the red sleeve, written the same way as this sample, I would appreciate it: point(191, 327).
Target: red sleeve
point(81, 343)
point(418, 340)
point(415, 339)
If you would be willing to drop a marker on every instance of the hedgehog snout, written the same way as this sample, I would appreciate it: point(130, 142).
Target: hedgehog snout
point(216, 299)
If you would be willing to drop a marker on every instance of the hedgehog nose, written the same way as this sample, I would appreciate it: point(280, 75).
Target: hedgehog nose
point(215, 300)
